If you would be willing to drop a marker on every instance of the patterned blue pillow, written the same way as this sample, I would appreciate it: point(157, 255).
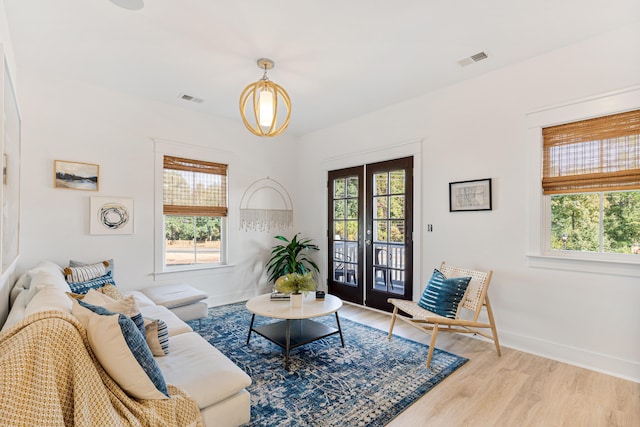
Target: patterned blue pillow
point(137, 345)
point(98, 282)
point(442, 296)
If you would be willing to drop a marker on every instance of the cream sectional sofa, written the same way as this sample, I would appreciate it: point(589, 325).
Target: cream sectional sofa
point(207, 376)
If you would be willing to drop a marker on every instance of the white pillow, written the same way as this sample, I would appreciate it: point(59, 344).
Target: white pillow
point(137, 374)
point(43, 278)
point(84, 273)
point(49, 298)
point(126, 306)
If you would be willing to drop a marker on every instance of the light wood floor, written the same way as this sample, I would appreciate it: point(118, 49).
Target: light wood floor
point(517, 389)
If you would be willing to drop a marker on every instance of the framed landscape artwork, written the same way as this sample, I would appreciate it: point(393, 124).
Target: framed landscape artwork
point(76, 175)
point(470, 195)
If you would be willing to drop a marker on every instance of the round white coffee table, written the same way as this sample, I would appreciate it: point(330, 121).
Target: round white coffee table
point(296, 327)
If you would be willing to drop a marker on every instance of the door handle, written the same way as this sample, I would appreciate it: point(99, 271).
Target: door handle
point(368, 242)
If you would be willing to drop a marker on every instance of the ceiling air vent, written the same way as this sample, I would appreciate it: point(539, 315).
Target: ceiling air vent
point(473, 58)
point(191, 98)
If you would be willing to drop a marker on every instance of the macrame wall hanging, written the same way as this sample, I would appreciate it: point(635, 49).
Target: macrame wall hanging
point(265, 204)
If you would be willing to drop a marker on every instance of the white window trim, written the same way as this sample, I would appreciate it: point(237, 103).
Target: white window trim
point(178, 149)
point(538, 252)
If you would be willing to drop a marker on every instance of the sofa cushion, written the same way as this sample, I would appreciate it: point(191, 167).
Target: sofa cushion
point(122, 351)
point(111, 291)
point(16, 313)
point(172, 296)
point(201, 370)
point(141, 299)
point(126, 306)
point(157, 336)
point(84, 273)
point(107, 263)
point(42, 278)
point(95, 283)
point(174, 324)
point(48, 298)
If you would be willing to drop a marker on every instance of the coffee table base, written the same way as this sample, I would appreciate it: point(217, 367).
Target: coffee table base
point(294, 333)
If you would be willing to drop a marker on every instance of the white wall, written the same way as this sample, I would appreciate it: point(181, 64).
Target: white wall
point(68, 120)
point(477, 129)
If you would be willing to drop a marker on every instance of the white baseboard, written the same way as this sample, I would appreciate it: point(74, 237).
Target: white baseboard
point(604, 363)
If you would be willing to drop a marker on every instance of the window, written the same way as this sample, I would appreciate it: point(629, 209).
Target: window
point(591, 180)
point(194, 195)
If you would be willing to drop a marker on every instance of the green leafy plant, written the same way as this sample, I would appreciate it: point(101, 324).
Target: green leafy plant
point(295, 283)
point(291, 257)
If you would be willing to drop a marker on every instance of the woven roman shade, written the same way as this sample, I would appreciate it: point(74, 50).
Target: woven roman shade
point(600, 154)
point(194, 187)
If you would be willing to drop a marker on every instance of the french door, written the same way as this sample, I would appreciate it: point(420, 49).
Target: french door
point(370, 232)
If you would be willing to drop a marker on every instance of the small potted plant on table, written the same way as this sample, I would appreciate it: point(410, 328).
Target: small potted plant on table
point(292, 257)
point(295, 284)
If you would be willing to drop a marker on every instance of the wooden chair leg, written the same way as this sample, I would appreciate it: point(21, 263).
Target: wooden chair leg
point(393, 322)
point(432, 345)
point(492, 322)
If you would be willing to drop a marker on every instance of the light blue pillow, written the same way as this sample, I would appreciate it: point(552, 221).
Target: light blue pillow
point(137, 345)
point(98, 282)
point(442, 296)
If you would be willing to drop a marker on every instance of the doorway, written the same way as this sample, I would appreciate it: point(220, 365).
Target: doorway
point(370, 210)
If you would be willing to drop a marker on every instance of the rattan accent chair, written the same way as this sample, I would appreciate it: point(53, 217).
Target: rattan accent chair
point(475, 298)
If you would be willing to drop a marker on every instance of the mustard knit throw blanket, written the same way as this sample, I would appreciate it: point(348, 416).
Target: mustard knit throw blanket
point(50, 377)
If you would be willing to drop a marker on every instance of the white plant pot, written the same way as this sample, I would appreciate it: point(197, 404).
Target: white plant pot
point(296, 300)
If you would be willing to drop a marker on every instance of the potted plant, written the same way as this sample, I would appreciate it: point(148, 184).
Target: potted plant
point(295, 284)
point(291, 257)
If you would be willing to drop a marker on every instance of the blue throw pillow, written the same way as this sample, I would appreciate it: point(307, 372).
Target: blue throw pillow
point(442, 296)
point(137, 345)
point(98, 282)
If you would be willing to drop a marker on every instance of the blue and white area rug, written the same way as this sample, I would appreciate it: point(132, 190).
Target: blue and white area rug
point(366, 383)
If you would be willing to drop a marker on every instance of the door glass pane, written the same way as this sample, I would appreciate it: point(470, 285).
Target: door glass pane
point(352, 208)
point(338, 209)
point(352, 230)
point(352, 252)
point(352, 186)
point(338, 251)
point(380, 231)
point(396, 282)
point(338, 271)
point(380, 181)
point(381, 207)
point(397, 206)
point(338, 188)
point(380, 254)
point(338, 230)
point(397, 182)
point(396, 231)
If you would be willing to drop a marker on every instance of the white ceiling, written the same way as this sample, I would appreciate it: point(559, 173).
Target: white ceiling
point(337, 59)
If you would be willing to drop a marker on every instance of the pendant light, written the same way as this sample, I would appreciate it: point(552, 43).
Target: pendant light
point(267, 102)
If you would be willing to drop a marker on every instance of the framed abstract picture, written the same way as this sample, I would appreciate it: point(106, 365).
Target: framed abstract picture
point(470, 195)
point(76, 175)
point(111, 215)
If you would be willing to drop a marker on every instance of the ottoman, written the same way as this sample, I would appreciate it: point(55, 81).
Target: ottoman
point(185, 301)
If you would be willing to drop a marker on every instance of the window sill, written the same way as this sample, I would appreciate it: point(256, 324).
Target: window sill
point(609, 267)
point(191, 270)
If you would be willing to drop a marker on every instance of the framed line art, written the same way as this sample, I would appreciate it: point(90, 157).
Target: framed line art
point(76, 175)
point(111, 215)
point(470, 195)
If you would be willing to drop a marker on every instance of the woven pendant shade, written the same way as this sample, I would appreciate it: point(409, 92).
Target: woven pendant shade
point(263, 105)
